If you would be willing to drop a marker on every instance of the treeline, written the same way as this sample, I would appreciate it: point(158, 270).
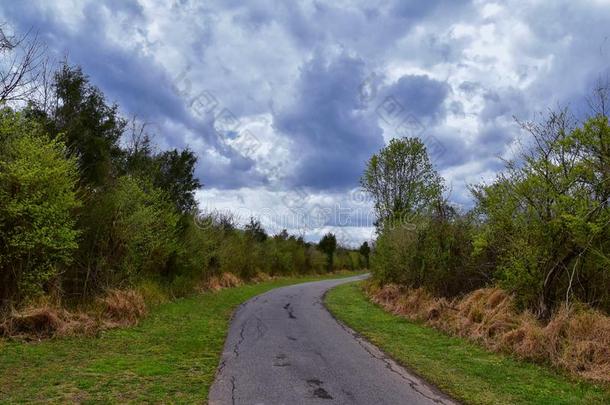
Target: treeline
point(540, 230)
point(87, 204)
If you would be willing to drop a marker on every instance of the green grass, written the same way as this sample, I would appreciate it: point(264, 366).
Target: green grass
point(463, 370)
point(171, 356)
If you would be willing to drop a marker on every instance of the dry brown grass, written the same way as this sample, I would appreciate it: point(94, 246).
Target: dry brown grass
point(217, 283)
point(43, 319)
point(575, 339)
point(125, 307)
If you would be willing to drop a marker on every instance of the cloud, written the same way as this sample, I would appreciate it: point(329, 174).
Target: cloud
point(329, 127)
point(290, 75)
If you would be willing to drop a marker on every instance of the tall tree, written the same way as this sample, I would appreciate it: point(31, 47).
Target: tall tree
point(328, 245)
point(365, 251)
point(255, 230)
point(91, 127)
point(401, 180)
point(175, 175)
point(38, 236)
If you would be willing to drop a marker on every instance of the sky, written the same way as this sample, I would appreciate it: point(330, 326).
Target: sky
point(284, 101)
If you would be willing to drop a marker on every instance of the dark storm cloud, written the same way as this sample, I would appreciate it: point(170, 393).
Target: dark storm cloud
point(420, 95)
point(138, 84)
point(331, 131)
point(302, 64)
point(131, 79)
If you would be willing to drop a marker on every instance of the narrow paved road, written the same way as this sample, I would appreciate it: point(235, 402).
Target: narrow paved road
point(285, 348)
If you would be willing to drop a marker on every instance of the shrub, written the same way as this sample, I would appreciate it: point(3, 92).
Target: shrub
point(431, 252)
point(129, 232)
point(37, 201)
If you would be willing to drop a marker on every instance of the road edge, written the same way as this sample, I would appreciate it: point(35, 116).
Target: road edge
point(416, 381)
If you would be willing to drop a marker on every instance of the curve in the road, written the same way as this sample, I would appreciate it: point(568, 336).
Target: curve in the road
point(284, 347)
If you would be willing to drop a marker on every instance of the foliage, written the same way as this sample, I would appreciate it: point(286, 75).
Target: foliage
point(401, 180)
point(254, 229)
point(546, 217)
point(37, 203)
point(174, 173)
point(91, 127)
point(129, 231)
point(328, 244)
point(540, 230)
point(365, 251)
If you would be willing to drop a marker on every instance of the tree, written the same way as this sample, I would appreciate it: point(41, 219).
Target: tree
point(282, 235)
point(172, 171)
point(175, 175)
point(365, 250)
point(91, 127)
point(37, 200)
point(327, 245)
point(401, 180)
point(130, 231)
point(546, 217)
point(254, 229)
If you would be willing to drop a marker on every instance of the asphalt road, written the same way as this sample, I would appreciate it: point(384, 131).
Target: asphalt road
point(284, 347)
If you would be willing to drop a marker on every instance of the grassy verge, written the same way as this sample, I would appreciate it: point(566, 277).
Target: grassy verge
point(171, 356)
point(462, 369)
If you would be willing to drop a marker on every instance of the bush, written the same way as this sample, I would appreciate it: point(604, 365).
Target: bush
point(37, 202)
point(431, 252)
point(546, 217)
point(129, 232)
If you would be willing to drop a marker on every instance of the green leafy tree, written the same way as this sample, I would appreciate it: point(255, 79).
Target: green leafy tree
point(131, 231)
point(172, 171)
point(402, 180)
point(91, 127)
point(328, 245)
point(175, 175)
point(255, 230)
point(37, 202)
point(365, 251)
point(546, 217)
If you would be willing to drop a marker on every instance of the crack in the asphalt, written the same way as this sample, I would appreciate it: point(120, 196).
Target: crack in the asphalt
point(314, 381)
point(221, 367)
point(233, 389)
point(288, 309)
point(240, 341)
point(281, 357)
point(261, 328)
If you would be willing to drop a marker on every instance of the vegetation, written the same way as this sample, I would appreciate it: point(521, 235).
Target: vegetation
point(540, 230)
point(328, 245)
point(402, 181)
point(462, 369)
point(365, 251)
point(171, 356)
point(37, 198)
